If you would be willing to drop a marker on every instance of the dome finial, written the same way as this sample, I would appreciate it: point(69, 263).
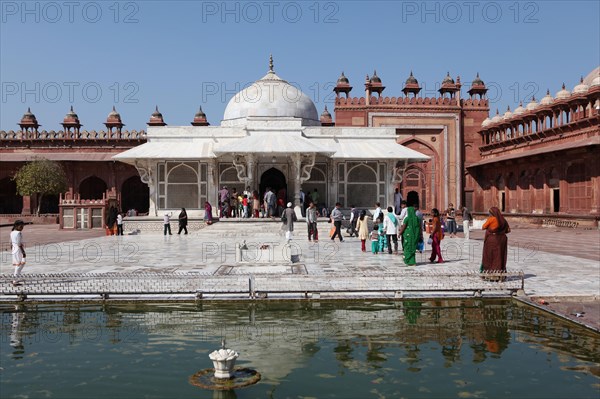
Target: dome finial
point(271, 63)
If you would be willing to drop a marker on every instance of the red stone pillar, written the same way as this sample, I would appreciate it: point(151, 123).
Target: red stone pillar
point(26, 205)
point(595, 176)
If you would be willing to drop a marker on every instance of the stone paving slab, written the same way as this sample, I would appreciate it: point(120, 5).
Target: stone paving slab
point(207, 250)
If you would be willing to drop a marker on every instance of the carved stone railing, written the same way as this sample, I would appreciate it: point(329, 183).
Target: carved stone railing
point(84, 135)
point(260, 285)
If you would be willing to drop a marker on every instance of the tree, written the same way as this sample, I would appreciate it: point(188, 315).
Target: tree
point(40, 177)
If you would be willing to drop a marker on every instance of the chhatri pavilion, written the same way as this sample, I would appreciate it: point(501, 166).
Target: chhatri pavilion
point(271, 136)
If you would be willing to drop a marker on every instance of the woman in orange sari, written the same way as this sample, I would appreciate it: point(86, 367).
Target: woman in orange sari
point(495, 243)
point(436, 237)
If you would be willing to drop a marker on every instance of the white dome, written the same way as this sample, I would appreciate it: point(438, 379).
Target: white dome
point(592, 77)
point(563, 93)
point(581, 88)
point(547, 100)
point(497, 118)
point(486, 122)
point(507, 114)
point(520, 110)
point(532, 104)
point(270, 97)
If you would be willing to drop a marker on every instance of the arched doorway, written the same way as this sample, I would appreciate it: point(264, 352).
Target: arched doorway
point(424, 177)
point(414, 181)
point(10, 201)
point(275, 179)
point(135, 195)
point(92, 188)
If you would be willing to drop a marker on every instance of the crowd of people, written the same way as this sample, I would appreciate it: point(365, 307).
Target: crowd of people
point(400, 230)
point(397, 230)
point(251, 204)
point(403, 225)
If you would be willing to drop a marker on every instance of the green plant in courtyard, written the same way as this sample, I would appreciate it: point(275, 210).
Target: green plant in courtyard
point(40, 177)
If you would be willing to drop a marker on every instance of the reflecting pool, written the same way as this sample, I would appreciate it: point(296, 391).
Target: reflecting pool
point(366, 349)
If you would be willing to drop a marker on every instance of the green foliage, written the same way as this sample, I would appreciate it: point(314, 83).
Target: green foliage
point(40, 177)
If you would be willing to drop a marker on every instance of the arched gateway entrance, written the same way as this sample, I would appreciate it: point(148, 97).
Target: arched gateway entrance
point(275, 179)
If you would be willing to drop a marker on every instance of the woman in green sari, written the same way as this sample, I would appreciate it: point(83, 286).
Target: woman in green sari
point(411, 233)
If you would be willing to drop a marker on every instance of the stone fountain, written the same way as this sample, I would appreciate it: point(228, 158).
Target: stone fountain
point(224, 361)
point(224, 376)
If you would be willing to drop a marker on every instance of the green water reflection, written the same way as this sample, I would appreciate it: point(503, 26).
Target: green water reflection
point(410, 349)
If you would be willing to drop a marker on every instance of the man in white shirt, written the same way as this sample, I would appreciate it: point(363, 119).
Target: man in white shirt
point(167, 223)
point(390, 227)
point(336, 216)
point(403, 212)
point(119, 224)
point(18, 250)
point(377, 211)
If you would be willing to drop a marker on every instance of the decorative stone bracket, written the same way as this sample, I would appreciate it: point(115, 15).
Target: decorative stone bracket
point(398, 171)
point(239, 162)
point(244, 166)
point(309, 162)
point(144, 168)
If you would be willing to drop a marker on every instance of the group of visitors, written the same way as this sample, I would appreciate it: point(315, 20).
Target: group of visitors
point(404, 223)
point(236, 204)
point(250, 204)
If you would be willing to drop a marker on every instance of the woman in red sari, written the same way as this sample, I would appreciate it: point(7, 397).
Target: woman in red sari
point(495, 244)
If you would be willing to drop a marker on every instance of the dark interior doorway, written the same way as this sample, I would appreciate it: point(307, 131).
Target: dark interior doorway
point(555, 200)
point(135, 195)
point(503, 201)
point(10, 201)
point(275, 179)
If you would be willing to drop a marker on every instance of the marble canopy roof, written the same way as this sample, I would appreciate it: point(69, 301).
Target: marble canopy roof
point(191, 143)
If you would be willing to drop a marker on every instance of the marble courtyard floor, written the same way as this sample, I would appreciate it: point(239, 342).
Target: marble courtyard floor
point(561, 267)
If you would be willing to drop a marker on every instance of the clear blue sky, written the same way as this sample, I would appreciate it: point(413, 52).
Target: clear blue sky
point(182, 54)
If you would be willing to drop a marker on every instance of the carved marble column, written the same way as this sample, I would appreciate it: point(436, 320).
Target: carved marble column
point(296, 170)
point(212, 187)
point(250, 166)
point(332, 172)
